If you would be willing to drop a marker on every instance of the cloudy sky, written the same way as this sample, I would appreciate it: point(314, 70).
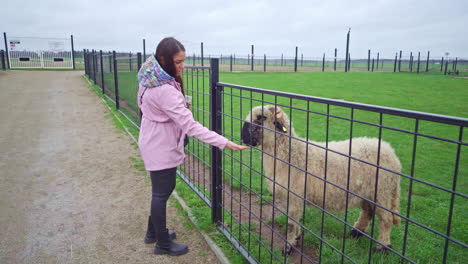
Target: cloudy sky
point(226, 27)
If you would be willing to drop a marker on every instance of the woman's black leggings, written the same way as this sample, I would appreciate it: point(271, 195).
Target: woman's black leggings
point(163, 183)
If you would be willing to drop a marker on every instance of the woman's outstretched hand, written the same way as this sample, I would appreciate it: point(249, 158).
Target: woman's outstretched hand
point(235, 147)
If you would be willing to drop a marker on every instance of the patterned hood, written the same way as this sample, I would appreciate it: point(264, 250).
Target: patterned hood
point(152, 74)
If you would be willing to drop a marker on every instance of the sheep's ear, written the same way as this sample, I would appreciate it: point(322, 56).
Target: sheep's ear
point(277, 113)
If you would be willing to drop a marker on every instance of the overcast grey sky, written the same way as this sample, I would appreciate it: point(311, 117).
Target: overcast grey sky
point(226, 27)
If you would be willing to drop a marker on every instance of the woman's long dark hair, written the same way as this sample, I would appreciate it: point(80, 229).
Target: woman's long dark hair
point(167, 49)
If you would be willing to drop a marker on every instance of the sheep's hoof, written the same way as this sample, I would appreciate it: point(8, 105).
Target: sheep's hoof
point(355, 233)
point(383, 250)
point(287, 250)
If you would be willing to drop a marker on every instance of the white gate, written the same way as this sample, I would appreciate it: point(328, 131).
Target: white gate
point(42, 53)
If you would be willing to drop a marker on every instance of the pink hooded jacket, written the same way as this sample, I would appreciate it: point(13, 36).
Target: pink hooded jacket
point(166, 120)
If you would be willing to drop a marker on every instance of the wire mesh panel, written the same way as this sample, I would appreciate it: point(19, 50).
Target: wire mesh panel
point(196, 170)
point(127, 69)
point(336, 182)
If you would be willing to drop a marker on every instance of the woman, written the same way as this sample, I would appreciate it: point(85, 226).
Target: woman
point(166, 120)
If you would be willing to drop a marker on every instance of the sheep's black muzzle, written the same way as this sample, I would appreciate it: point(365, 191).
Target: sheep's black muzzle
point(247, 136)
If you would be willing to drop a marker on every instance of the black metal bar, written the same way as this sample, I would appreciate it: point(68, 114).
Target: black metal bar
point(72, 51)
point(102, 71)
point(264, 62)
point(378, 55)
point(411, 62)
point(419, 60)
point(144, 50)
point(427, 61)
point(399, 62)
point(130, 61)
point(110, 61)
point(334, 65)
point(372, 64)
point(94, 66)
point(442, 64)
point(368, 60)
point(216, 122)
point(455, 64)
point(323, 63)
point(85, 59)
point(230, 63)
point(6, 49)
point(201, 49)
point(252, 58)
point(295, 61)
point(347, 51)
point(349, 62)
point(2, 54)
point(452, 198)
point(373, 108)
point(139, 61)
point(394, 65)
point(116, 81)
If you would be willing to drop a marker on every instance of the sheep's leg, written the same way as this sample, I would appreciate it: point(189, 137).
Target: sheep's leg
point(294, 231)
point(364, 219)
point(385, 228)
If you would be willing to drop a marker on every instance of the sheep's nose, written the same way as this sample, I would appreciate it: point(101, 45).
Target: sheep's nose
point(246, 134)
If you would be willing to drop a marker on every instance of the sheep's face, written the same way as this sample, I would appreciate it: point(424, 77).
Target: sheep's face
point(261, 123)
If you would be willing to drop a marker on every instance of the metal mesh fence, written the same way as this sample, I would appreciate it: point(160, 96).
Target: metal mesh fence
point(327, 181)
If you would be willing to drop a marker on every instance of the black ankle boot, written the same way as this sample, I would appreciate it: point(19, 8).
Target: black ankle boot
point(150, 237)
point(168, 247)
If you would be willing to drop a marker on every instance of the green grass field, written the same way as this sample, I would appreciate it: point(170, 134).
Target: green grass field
point(434, 159)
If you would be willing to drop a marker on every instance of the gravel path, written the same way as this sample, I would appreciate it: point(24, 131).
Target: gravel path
point(68, 193)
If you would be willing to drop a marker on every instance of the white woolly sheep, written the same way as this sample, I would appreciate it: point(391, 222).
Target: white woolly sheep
point(270, 126)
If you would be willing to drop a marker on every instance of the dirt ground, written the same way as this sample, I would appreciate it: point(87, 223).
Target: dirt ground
point(68, 193)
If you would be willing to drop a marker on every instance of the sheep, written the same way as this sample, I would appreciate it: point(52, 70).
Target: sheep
point(270, 126)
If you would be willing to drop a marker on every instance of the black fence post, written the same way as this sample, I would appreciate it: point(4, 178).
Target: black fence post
point(216, 158)
point(72, 51)
point(334, 65)
point(230, 63)
point(442, 64)
point(323, 63)
point(102, 71)
point(110, 61)
point(85, 59)
point(446, 66)
point(116, 81)
point(427, 61)
point(130, 61)
point(349, 62)
point(378, 54)
point(6, 50)
point(139, 61)
point(372, 64)
point(144, 49)
point(455, 63)
point(252, 58)
point(347, 51)
point(399, 63)
point(94, 66)
point(368, 60)
point(2, 55)
point(419, 60)
point(202, 54)
point(264, 62)
point(411, 61)
point(295, 61)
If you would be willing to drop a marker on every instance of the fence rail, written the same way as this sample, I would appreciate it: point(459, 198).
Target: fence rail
point(296, 199)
